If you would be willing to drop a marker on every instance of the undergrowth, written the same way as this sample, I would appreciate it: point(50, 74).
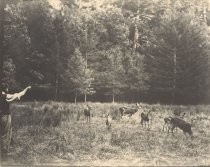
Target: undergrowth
point(42, 131)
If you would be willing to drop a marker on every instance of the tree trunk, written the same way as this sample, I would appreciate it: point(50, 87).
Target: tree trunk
point(85, 97)
point(86, 64)
point(75, 98)
point(135, 39)
point(86, 36)
point(113, 84)
point(133, 97)
point(57, 70)
point(136, 32)
point(56, 87)
point(113, 97)
point(174, 77)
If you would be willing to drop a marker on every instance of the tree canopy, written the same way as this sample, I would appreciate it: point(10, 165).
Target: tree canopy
point(118, 50)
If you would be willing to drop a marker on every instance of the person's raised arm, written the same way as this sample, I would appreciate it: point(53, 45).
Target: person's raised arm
point(12, 97)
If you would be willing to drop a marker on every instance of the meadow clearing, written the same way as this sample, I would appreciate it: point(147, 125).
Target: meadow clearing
point(49, 133)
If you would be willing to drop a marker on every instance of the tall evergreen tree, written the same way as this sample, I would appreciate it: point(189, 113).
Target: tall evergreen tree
point(76, 77)
point(178, 60)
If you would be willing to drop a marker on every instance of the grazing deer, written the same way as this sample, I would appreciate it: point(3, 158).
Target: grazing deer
point(108, 121)
point(87, 113)
point(128, 110)
point(145, 118)
point(167, 122)
point(181, 124)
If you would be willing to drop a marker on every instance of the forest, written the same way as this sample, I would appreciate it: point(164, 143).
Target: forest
point(153, 51)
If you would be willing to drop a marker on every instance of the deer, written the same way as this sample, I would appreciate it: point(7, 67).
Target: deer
point(167, 121)
point(108, 121)
point(128, 110)
point(87, 113)
point(177, 113)
point(181, 124)
point(145, 118)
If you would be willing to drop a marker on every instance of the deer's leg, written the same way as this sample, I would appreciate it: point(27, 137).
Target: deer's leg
point(172, 130)
point(175, 129)
point(141, 122)
point(169, 128)
point(164, 126)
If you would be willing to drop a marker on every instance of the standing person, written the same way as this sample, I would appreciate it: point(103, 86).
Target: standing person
point(5, 116)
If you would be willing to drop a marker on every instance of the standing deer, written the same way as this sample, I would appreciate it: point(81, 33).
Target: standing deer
point(145, 118)
point(128, 110)
point(108, 121)
point(87, 113)
point(178, 113)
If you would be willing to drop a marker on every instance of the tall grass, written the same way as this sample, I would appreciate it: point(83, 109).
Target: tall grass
point(45, 131)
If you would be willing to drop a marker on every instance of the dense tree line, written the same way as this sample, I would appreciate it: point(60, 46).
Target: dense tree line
point(119, 50)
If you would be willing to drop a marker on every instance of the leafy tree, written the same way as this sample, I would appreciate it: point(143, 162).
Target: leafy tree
point(9, 74)
point(178, 60)
point(76, 77)
point(120, 48)
point(39, 59)
point(46, 28)
point(2, 19)
point(110, 74)
point(136, 77)
point(115, 30)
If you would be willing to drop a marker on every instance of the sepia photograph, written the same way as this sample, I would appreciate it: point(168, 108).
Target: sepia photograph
point(104, 83)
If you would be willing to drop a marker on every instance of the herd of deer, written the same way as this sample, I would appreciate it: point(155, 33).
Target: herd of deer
point(170, 122)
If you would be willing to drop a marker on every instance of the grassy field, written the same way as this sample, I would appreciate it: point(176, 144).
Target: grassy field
point(49, 133)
